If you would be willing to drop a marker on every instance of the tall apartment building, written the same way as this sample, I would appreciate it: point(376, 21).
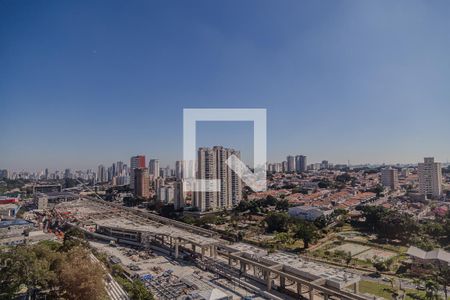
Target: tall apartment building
point(166, 172)
point(119, 169)
point(102, 174)
point(180, 195)
point(300, 163)
point(153, 167)
point(67, 173)
point(389, 178)
point(141, 183)
point(165, 194)
point(212, 165)
point(290, 163)
point(179, 168)
point(3, 174)
point(184, 169)
point(136, 162)
point(430, 178)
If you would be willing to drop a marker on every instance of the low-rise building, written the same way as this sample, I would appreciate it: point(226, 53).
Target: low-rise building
point(422, 260)
point(307, 213)
point(8, 211)
point(40, 201)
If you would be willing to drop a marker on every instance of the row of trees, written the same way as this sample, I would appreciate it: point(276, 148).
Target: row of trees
point(261, 205)
point(396, 225)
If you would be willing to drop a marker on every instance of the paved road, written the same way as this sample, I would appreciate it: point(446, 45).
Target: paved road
point(114, 290)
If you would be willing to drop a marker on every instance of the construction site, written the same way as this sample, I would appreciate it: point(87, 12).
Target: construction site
point(182, 260)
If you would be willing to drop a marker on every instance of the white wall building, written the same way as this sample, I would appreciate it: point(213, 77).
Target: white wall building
point(389, 178)
point(430, 178)
point(212, 165)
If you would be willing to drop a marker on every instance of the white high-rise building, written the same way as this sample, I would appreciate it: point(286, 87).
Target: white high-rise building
point(167, 172)
point(166, 194)
point(153, 167)
point(430, 178)
point(212, 165)
point(389, 178)
point(184, 169)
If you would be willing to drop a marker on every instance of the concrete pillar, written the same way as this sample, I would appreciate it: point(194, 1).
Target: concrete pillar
point(243, 267)
point(282, 282)
point(268, 280)
point(203, 252)
point(193, 248)
point(299, 288)
point(311, 293)
point(229, 260)
point(356, 287)
point(325, 297)
point(176, 248)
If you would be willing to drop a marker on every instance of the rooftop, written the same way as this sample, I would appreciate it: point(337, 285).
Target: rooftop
point(15, 222)
point(436, 254)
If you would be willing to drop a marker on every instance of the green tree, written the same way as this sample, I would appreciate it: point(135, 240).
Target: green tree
point(431, 290)
point(348, 258)
point(284, 238)
point(277, 221)
point(73, 237)
point(45, 267)
point(306, 232)
point(31, 267)
point(379, 189)
point(270, 200)
point(380, 265)
point(167, 211)
point(282, 205)
point(343, 178)
point(80, 277)
point(442, 272)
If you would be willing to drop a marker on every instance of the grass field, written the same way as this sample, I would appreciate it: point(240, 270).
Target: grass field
point(385, 291)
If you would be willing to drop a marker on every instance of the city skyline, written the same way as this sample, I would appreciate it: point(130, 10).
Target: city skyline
point(173, 165)
point(83, 85)
point(202, 149)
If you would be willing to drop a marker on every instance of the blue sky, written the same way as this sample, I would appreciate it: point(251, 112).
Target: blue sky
point(89, 82)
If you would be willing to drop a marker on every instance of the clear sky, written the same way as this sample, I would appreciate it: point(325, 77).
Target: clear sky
point(90, 82)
